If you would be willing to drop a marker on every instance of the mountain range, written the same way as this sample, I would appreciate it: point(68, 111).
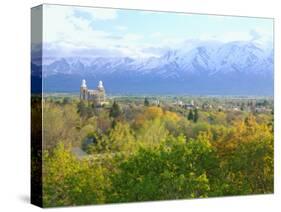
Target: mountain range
point(195, 68)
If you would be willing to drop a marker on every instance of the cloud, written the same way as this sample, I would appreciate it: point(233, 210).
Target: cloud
point(121, 28)
point(96, 13)
point(104, 14)
point(156, 35)
point(91, 32)
point(58, 50)
point(227, 36)
point(71, 25)
point(132, 37)
point(255, 35)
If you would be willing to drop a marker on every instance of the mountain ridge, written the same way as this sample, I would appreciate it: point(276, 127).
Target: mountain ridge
point(205, 65)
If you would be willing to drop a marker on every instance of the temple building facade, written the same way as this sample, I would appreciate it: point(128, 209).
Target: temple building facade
point(96, 96)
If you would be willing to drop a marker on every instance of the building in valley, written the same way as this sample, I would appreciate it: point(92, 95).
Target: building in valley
point(96, 96)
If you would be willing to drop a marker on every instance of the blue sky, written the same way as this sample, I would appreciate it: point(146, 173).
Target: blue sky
point(80, 29)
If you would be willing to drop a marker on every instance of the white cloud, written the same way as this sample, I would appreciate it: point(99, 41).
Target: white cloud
point(68, 32)
point(156, 35)
point(227, 37)
point(96, 13)
point(61, 25)
point(121, 28)
point(256, 35)
point(132, 37)
point(104, 14)
point(71, 31)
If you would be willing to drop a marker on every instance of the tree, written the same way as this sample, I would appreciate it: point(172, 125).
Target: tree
point(246, 155)
point(66, 100)
point(60, 125)
point(82, 109)
point(173, 171)
point(171, 121)
point(196, 116)
point(153, 112)
point(146, 102)
point(145, 154)
point(115, 110)
point(152, 133)
point(70, 181)
point(190, 115)
point(121, 138)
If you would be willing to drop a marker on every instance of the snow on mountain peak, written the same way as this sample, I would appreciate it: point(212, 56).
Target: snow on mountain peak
point(193, 57)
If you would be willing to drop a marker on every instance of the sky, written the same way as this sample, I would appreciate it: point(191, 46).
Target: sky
point(86, 31)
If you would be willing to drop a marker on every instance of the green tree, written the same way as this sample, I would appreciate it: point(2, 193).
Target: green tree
point(146, 102)
point(152, 133)
point(59, 124)
point(82, 109)
point(70, 181)
point(121, 138)
point(115, 110)
point(190, 115)
point(196, 115)
point(66, 100)
point(176, 170)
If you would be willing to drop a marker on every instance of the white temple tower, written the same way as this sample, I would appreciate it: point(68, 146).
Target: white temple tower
point(101, 95)
point(83, 90)
point(100, 86)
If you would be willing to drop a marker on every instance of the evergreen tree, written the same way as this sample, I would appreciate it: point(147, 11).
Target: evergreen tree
point(113, 124)
point(66, 100)
point(190, 115)
point(146, 102)
point(196, 116)
point(82, 109)
point(115, 110)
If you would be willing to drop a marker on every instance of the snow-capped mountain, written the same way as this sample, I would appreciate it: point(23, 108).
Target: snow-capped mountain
point(193, 68)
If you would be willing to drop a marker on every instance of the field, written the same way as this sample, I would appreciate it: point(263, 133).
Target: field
point(139, 148)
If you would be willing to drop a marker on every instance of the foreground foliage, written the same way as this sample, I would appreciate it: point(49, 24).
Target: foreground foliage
point(141, 153)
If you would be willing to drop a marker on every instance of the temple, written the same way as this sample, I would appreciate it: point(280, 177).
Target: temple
point(96, 96)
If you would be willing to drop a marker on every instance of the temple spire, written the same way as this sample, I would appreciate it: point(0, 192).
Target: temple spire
point(83, 84)
point(100, 86)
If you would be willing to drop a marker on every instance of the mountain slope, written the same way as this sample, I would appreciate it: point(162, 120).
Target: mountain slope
point(234, 68)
